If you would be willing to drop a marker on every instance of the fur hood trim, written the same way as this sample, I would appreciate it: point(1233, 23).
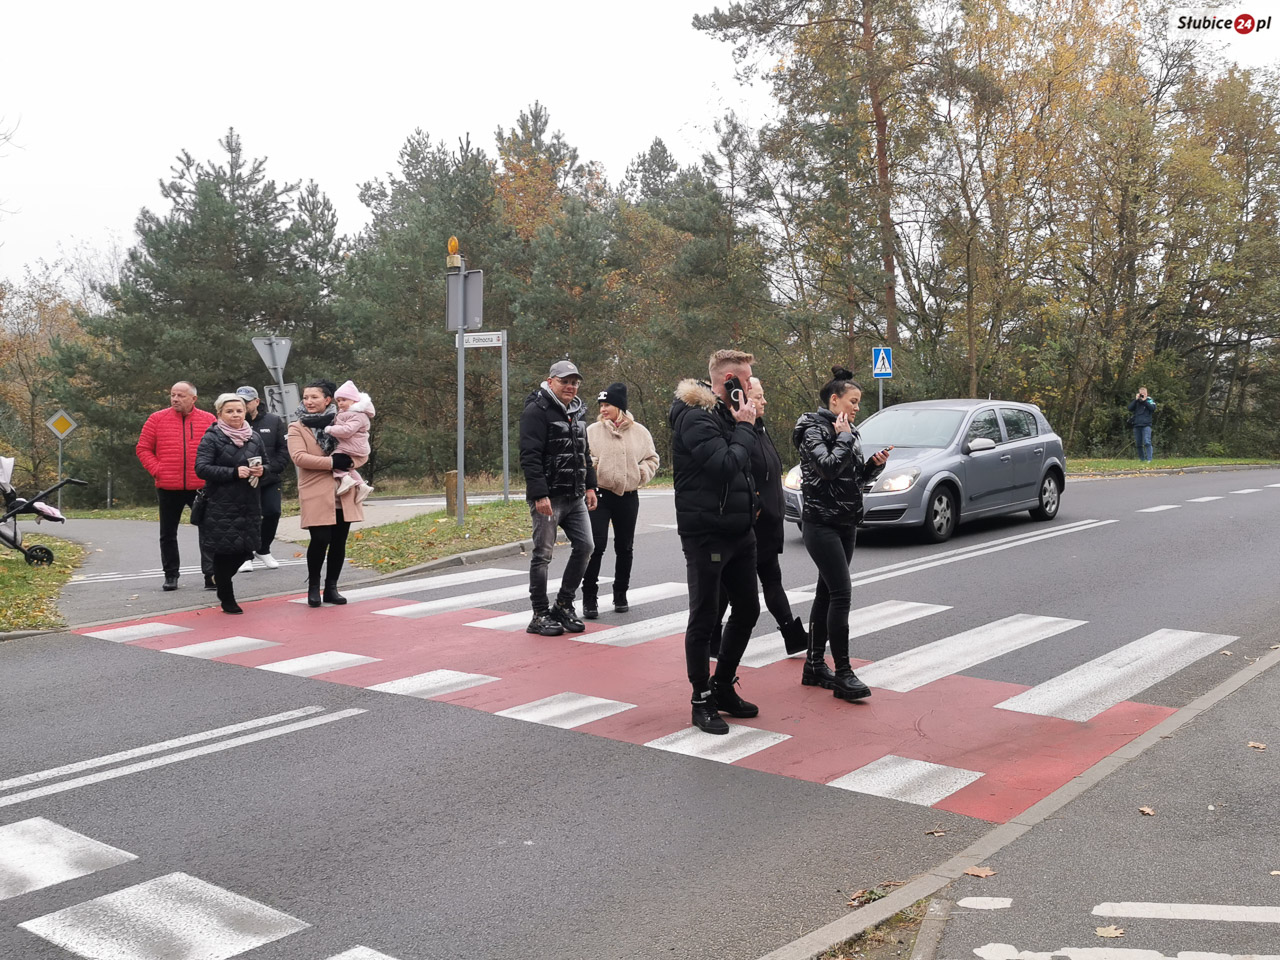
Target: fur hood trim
point(696, 393)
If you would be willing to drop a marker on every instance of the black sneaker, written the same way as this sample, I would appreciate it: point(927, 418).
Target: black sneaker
point(208, 582)
point(543, 625)
point(170, 583)
point(590, 608)
point(705, 717)
point(620, 604)
point(563, 614)
point(727, 699)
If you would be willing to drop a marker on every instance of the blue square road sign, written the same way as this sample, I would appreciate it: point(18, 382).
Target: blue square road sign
point(881, 363)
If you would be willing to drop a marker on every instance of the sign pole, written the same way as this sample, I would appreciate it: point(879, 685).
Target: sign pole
point(462, 393)
point(59, 474)
point(60, 425)
point(506, 446)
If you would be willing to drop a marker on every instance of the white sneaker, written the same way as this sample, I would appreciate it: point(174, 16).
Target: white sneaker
point(346, 484)
point(246, 567)
point(363, 491)
point(268, 561)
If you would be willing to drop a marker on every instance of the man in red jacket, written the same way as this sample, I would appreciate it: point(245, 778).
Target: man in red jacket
point(167, 449)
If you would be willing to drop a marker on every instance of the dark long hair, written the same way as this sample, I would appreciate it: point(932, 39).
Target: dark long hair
point(841, 382)
point(327, 387)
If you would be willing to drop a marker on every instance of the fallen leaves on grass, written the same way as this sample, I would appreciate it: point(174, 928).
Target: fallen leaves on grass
point(1146, 811)
point(980, 872)
point(1112, 931)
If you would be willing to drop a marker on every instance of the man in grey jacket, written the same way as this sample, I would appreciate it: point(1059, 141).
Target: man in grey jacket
point(1142, 410)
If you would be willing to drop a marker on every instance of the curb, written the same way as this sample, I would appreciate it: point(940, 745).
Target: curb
point(460, 559)
point(19, 634)
point(813, 945)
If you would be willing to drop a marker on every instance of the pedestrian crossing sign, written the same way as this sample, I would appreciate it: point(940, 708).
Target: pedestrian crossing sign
point(881, 363)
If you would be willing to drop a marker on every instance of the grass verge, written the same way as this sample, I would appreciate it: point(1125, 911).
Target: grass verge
point(430, 536)
point(890, 940)
point(1080, 465)
point(28, 594)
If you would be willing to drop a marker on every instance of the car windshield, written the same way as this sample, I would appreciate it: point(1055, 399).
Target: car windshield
point(927, 427)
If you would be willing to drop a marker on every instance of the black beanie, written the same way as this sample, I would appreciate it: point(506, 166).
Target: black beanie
point(616, 394)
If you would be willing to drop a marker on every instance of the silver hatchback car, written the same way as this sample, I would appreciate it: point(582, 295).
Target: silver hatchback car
point(953, 461)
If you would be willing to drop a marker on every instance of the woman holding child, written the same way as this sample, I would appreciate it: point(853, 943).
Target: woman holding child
point(326, 514)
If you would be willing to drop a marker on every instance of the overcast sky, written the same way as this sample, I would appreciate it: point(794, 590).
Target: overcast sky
point(104, 95)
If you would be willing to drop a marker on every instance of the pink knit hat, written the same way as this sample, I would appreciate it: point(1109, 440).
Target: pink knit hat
point(347, 391)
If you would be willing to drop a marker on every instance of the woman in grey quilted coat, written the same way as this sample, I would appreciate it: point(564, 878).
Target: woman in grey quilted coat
point(232, 524)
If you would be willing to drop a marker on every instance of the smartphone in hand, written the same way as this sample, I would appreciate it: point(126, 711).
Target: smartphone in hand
point(733, 389)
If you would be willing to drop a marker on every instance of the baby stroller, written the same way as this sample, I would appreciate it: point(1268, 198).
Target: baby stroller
point(15, 505)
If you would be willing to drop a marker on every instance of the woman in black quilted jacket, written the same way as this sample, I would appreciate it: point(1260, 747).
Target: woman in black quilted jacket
point(232, 524)
point(832, 473)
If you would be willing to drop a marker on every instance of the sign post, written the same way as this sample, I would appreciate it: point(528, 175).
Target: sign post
point(274, 351)
point(496, 338)
point(463, 310)
point(61, 425)
point(881, 368)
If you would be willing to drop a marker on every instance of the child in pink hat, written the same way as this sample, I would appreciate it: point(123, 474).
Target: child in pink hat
point(351, 427)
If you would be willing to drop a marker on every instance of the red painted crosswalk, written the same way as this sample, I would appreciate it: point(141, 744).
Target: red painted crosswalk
point(944, 742)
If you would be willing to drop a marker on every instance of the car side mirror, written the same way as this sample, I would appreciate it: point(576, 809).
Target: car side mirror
point(979, 443)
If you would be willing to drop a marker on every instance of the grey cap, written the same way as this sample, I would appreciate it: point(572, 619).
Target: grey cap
point(563, 369)
point(247, 392)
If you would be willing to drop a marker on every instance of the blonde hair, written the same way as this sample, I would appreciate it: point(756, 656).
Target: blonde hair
point(724, 359)
point(223, 398)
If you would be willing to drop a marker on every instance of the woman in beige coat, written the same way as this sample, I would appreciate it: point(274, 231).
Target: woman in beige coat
point(625, 459)
point(325, 515)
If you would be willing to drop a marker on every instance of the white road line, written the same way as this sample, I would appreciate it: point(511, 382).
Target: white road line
point(173, 915)
point(317, 663)
point(1006, 951)
point(175, 757)
point(920, 665)
point(361, 953)
point(1273, 484)
point(967, 553)
point(739, 742)
point(434, 683)
point(157, 574)
point(464, 601)
point(912, 781)
point(475, 575)
point(1114, 677)
point(137, 631)
point(77, 767)
point(985, 903)
point(1248, 490)
point(566, 710)
point(650, 594)
point(1203, 499)
point(1226, 912)
point(225, 647)
point(864, 621)
point(642, 631)
point(1159, 509)
point(38, 853)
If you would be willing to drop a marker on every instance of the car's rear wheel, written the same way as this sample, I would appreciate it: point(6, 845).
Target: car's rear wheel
point(1050, 498)
point(940, 516)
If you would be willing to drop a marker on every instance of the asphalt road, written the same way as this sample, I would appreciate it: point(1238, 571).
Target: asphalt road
point(434, 827)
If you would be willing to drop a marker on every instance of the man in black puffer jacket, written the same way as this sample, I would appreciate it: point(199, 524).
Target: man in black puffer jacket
point(712, 438)
point(560, 486)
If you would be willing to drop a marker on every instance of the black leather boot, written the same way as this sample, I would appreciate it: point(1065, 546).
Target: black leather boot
point(727, 700)
point(620, 604)
point(313, 592)
point(816, 673)
point(590, 606)
point(228, 597)
point(794, 637)
point(331, 594)
point(847, 685)
point(705, 716)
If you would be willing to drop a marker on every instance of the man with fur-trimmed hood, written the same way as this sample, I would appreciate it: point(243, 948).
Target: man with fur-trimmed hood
point(712, 437)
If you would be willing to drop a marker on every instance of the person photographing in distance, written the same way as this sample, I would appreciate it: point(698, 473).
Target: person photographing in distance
point(1142, 411)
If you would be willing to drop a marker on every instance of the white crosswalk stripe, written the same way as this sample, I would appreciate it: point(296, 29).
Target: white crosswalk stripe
point(483, 598)
point(1114, 677)
point(226, 647)
point(315, 664)
point(433, 683)
point(955, 654)
point(912, 781)
point(739, 742)
point(566, 710)
point(642, 631)
point(39, 853)
point(137, 631)
point(863, 622)
point(361, 953)
point(400, 587)
point(642, 595)
point(173, 915)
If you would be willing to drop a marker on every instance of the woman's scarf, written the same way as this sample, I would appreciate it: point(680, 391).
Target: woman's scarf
point(237, 435)
point(316, 422)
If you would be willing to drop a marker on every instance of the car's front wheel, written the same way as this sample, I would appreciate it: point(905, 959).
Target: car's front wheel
point(1050, 498)
point(940, 516)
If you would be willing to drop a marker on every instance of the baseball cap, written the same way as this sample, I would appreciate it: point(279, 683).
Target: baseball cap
point(563, 369)
point(247, 392)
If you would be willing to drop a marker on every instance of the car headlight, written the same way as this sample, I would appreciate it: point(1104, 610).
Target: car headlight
point(897, 481)
point(792, 480)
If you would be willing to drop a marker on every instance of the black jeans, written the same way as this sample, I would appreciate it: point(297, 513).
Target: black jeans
point(622, 510)
point(269, 497)
point(769, 573)
point(225, 566)
point(831, 549)
point(171, 505)
point(712, 568)
point(333, 541)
